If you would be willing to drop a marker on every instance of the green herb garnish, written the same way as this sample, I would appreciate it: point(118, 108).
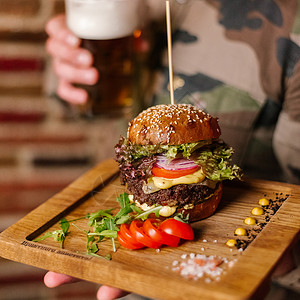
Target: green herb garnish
point(102, 224)
point(58, 235)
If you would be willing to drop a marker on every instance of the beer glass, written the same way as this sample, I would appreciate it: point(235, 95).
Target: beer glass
point(107, 29)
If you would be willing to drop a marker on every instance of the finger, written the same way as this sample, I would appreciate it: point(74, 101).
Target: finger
point(74, 74)
point(78, 56)
point(110, 293)
point(71, 94)
point(57, 28)
point(52, 279)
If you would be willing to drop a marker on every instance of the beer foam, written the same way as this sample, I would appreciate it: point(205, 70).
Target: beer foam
point(102, 19)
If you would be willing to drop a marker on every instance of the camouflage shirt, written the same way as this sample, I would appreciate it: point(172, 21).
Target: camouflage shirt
point(240, 61)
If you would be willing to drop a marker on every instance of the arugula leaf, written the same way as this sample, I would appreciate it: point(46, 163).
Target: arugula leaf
point(95, 217)
point(123, 219)
point(113, 228)
point(136, 209)
point(107, 256)
point(144, 215)
point(47, 235)
point(106, 233)
point(94, 248)
point(110, 224)
point(57, 235)
point(103, 224)
point(124, 201)
point(126, 207)
point(91, 246)
point(65, 225)
point(180, 217)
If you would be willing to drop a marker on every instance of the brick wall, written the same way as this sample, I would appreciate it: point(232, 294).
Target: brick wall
point(42, 149)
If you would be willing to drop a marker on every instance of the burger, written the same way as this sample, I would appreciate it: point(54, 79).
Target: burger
point(173, 157)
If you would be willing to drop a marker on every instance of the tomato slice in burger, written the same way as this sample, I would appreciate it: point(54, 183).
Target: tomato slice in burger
point(127, 244)
point(125, 232)
point(160, 172)
point(136, 228)
point(151, 228)
point(177, 228)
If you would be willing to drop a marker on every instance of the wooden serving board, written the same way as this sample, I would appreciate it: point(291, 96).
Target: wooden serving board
point(150, 272)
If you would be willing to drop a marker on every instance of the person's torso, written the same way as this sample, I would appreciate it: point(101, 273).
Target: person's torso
point(230, 58)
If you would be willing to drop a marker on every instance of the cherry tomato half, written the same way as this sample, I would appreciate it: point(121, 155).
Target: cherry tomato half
point(136, 228)
point(160, 172)
point(177, 228)
point(151, 228)
point(125, 232)
point(126, 243)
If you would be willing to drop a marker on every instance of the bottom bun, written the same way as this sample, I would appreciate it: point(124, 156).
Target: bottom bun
point(204, 209)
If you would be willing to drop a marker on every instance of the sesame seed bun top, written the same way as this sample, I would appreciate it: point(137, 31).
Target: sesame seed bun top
point(172, 124)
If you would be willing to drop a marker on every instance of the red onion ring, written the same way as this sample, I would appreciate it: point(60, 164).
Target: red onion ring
point(174, 164)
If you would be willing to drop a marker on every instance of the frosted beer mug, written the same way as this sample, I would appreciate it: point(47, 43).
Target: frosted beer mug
point(107, 29)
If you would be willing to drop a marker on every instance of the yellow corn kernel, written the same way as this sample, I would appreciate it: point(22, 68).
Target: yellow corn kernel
point(231, 243)
point(250, 221)
point(240, 231)
point(263, 202)
point(257, 211)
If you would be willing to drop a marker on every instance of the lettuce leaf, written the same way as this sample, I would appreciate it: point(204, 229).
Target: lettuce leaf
point(215, 163)
point(213, 156)
point(128, 152)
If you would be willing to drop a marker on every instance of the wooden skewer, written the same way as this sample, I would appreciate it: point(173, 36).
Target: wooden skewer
point(169, 35)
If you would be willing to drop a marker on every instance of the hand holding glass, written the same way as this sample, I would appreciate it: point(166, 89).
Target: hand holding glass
point(107, 29)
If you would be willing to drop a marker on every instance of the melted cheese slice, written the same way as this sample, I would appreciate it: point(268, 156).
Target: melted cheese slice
point(156, 183)
point(165, 183)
